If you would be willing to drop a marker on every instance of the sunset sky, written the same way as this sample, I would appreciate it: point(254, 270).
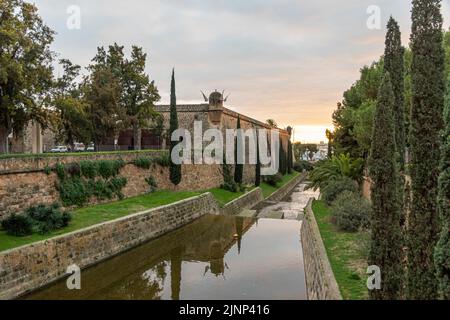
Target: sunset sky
point(280, 59)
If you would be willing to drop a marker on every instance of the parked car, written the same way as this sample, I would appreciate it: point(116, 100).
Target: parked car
point(79, 147)
point(59, 149)
point(90, 148)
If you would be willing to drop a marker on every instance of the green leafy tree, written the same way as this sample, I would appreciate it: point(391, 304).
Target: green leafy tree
point(103, 111)
point(175, 169)
point(386, 244)
point(426, 125)
point(442, 251)
point(238, 168)
point(72, 123)
point(26, 71)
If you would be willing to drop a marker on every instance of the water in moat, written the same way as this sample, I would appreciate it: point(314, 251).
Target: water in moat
point(215, 257)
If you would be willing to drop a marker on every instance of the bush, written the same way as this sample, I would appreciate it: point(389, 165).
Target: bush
point(164, 160)
point(48, 218)
point(303, 165)
point(350, 211)
point(60, 171)
point(273, 180)
point(74, 192)
point(18, 225)
point(144, 163)
point(151, 181)
point(89, 169)
point(336, 187)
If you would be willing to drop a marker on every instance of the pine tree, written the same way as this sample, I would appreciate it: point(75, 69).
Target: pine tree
point(175, 169)
point(427, 72)
point(239, 168)
point(442, 251)
point(386, 247)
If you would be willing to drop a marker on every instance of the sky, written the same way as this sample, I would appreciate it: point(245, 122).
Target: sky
point(289, 60)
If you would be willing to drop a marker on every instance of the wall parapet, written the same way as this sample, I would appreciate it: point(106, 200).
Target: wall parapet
point(33, 266)
point(246, 201)
point(287, 188)
point(320, 280)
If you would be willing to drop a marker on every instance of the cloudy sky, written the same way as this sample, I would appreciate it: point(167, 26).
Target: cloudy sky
point(289, 60)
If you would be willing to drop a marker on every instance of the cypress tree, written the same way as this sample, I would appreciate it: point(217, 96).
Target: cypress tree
point(394, 64)
point(258, 163)
point(239, 168)
point(289, 159)
point(175, 169)
point(427, 72)
point(442, 251)
point(386, 245)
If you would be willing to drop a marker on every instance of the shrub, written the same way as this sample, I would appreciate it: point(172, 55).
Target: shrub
point(60, 171)
point(18, 225)
point(303, 165)
point(143, 163)
point(164, 160)
point(151, 181)
point(350, 211)
point(73, 192)
point(47, 170)
point(336, 187)
point(89, 169)
point(48, 218)
point(73, 169)
point(273, 180)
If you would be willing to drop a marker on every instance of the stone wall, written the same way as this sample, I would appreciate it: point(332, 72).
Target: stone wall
point(320, 281)
point(23, 182)
point(287, 188)
point(33, 266)
point(246, 201)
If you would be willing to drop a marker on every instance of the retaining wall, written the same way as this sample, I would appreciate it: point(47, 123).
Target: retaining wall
point(33, 266)
point(320, 281)
point(246, 201)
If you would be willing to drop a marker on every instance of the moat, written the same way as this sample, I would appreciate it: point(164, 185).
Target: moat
point(215, 257)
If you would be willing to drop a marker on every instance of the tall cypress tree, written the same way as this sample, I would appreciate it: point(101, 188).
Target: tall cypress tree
point(442, 251)
point(427, 75)
point(238, 168)
point(386, 245)
point(258, 163)
point(394, 64)
point(175, 169)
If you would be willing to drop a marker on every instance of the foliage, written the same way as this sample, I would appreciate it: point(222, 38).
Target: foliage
point(175, 169)
point(335, 168)
point(274, 179)
point(18, 225)
point(290, 160)
point(282, 159)
point(299, 149)
point(78, 182)
point(336, 187)
point(272, 123)
point(258, 165)
point(41, 219)
point(350, 212)
point(387, 246)
point(26, 68)
point(48, 218)
point(427, 75)
point(151, 181)
point(238, 167)
point(303, 165)
point(228, 180)
point(144, 163)
point(163, 160)
point(442, 251)
point(72, 123)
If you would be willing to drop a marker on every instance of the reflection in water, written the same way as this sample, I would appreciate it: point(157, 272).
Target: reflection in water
point(215, 257)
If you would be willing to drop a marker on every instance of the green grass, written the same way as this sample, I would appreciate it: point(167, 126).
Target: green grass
point(347, 254)
point(224, 196)
point(92, 215)
point(267, 189)
point(71, 154)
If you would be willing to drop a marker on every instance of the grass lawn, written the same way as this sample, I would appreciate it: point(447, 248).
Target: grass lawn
point(347, 253)
point(224, 196)
point(73, 154)
point(267, 189)
point(92, 215)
